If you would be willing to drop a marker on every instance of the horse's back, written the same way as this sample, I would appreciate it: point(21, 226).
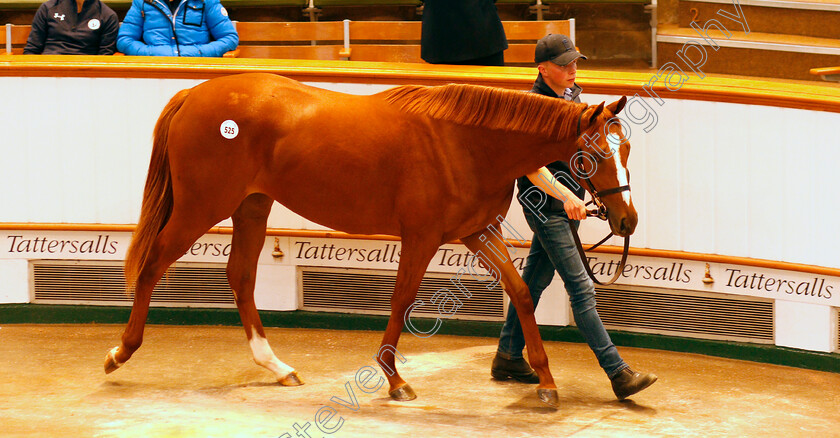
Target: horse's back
point(353, 163)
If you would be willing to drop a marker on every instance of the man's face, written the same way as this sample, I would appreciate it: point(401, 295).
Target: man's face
point(558, 77)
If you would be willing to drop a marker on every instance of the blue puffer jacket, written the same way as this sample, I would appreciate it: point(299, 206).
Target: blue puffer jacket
point(198, 28)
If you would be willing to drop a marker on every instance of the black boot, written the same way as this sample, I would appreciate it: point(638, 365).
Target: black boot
point(517, 369)
point(628, 382)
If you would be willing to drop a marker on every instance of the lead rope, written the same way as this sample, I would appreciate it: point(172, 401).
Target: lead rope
point(585, 262)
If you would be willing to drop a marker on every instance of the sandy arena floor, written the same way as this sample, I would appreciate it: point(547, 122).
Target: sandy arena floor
point(202, 382)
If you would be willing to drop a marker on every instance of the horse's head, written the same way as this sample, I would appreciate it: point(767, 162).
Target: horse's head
point(601, 159)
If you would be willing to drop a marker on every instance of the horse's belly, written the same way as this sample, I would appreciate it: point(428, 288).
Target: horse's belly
point(344, 201)
point(342, 215)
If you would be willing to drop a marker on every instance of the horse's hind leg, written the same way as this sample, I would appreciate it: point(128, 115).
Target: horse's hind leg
point(414, 259)
point(171, 243)
point(493, 253)
point(249, 222)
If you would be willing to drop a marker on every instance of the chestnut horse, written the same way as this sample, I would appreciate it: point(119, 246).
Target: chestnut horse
point(427, 164)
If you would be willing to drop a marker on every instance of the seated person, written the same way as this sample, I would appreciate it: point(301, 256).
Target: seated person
point(73, 27)
point(177, 28)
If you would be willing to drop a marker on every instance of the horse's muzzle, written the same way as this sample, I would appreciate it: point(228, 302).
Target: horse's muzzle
point(626, 226)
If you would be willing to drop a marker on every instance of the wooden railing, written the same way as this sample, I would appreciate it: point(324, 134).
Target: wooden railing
point(13, 39)
point(816, 96)
point(379, 41)
point(827, 73)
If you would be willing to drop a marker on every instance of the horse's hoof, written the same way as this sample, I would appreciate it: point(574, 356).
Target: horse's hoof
point(111, 363)
point(291, 379)
point(403, 393)
point(549, 397)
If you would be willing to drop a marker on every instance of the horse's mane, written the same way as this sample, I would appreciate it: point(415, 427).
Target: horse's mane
point(492, 108)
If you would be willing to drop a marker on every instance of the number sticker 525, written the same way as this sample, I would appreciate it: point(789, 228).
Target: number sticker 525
point(229, 129)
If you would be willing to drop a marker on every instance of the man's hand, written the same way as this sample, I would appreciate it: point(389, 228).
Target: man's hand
point(575, 209)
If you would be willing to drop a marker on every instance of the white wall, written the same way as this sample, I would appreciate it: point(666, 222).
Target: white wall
point(711, 177)
point(14, 275)
point(739, 180)
point(805, 326)
point(77, 149)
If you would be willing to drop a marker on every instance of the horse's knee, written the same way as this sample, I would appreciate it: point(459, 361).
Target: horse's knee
point(244, 298)
point(241, 281)
point(520, 296)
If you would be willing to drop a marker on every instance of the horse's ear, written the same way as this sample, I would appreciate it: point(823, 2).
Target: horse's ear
point(593, 112)
point(589, 115)
point(597, 112)
point(618, 105)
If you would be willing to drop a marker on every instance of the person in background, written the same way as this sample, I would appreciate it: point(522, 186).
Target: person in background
point(553, 248)
point(177, 28)
point(465, 32)
point(73, 27)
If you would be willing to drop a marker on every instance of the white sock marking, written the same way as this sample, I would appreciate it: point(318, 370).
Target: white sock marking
point(113, 355)
point(264, 357)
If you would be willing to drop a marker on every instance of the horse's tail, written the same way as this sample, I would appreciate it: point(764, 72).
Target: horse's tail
point(157, 196)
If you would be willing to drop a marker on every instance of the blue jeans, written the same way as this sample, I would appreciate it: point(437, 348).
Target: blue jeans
point(553, 247)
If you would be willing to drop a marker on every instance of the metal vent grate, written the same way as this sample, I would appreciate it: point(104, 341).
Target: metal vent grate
point(686, 313)
point(369, 291)
point(103, 283)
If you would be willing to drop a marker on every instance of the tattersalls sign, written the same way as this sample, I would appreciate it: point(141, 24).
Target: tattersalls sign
point(102, 244)
point(754, 281)
point(324, 252)
point(675, 273)
point(344, 251)
point(639, 271)
point(58, 245)
point(378, 254)
point(722, 278)
point(62, 245)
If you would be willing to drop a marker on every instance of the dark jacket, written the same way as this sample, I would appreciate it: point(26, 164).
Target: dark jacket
point(58, 29)
point(196, 28)
point(552, 205)
point(460, 30)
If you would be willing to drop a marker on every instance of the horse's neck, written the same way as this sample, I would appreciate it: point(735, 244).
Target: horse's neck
point(510, 155)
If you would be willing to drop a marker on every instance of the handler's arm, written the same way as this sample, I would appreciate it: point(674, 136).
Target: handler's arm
point(543, 179)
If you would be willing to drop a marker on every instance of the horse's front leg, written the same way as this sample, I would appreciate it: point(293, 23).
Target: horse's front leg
point(414, 258)
point(249, 223)
point(492, 251)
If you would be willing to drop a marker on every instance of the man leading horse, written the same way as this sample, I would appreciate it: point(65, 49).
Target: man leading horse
point(553, 220)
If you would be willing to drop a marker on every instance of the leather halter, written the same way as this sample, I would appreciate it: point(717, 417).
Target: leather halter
point(600, 212)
